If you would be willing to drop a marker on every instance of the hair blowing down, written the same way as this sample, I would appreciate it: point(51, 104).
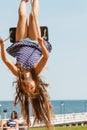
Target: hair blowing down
point(42, 109)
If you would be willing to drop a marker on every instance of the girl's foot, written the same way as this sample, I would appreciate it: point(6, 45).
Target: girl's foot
point(26, 0)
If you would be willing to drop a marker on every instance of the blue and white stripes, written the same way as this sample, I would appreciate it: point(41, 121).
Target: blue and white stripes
point(26, 52)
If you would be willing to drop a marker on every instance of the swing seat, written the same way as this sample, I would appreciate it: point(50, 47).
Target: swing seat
point(44, 33)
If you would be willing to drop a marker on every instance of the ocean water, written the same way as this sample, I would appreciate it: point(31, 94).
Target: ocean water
point(59, 107)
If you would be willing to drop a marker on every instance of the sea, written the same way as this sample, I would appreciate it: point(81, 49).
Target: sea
point(59, 107)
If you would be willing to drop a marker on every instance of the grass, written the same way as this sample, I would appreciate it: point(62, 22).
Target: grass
point(64, 128)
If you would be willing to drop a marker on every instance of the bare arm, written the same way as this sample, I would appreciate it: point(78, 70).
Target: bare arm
point(17, 125)
point(45, 55)
point(8, 63)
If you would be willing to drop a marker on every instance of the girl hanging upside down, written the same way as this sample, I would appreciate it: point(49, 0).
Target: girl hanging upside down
point(31, 52)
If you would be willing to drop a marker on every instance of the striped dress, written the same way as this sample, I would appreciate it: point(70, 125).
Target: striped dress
point(11, 123)
point(27, 52)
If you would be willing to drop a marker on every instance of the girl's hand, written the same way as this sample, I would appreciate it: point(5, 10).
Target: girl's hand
point(1, 41)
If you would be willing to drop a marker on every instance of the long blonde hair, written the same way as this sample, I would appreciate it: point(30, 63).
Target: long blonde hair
point(40, 100)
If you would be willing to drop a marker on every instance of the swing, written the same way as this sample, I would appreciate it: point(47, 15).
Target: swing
point(44, 30)
point(44, 33)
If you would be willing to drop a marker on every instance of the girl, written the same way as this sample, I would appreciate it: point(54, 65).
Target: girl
point(31, 52)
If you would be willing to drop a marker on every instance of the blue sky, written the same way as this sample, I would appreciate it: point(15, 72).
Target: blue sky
point(66, 70)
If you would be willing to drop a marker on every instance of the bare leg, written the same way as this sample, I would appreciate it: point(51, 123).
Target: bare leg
point(21, 31)
point(34, 28)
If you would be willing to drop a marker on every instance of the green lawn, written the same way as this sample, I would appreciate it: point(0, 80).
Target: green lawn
point(64, 128)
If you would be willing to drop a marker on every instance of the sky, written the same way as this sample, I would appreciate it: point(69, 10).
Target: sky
point(66, 69)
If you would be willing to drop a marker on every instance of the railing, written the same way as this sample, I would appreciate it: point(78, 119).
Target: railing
point(65, 119)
